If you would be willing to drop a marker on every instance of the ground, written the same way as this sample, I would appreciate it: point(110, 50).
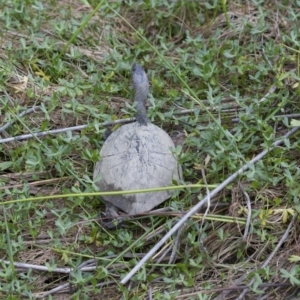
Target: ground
point(224, 79)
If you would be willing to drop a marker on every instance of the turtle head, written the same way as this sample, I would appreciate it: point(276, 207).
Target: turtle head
point(141, 88)
point(139, 78)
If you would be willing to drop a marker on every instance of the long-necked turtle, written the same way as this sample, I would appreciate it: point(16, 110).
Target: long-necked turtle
point(137, 156)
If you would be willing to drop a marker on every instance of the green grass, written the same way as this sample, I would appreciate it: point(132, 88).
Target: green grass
point(217, 59)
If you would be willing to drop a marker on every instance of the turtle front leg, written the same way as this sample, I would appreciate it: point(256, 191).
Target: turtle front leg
point(111, 214)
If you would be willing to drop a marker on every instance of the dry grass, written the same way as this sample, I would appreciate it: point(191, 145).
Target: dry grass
point(213, 258)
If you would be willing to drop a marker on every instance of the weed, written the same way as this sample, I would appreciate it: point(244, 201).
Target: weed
point(224, 83)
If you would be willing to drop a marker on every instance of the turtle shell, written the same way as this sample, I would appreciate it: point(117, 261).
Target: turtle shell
point(137, 157)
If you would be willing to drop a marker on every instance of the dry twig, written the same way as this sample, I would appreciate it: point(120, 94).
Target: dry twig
point(230, 179)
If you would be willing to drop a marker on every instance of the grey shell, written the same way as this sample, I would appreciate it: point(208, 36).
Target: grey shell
point(137, 157)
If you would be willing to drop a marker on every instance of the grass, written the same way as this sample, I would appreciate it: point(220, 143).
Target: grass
point(224, 84)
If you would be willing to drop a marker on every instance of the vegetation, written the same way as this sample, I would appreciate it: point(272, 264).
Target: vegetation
point(224, 84)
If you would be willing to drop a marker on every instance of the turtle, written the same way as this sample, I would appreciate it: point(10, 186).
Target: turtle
point(136, 156)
